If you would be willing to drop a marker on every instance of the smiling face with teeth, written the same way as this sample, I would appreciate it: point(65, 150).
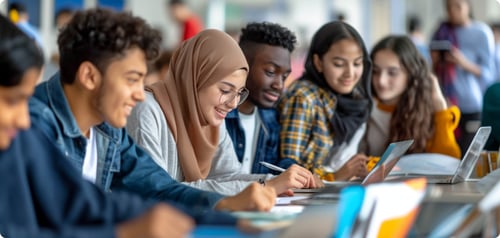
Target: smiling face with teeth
point(213, 109)
point(121, 87)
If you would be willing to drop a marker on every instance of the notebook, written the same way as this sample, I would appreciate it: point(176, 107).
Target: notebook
point(379, 172)
point(466, 166)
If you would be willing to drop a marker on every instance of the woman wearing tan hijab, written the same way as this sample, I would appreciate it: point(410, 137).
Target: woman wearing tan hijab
point(180, 123)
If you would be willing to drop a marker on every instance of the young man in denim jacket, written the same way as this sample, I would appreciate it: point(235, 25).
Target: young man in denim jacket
point(254, 126)
point(85, 107)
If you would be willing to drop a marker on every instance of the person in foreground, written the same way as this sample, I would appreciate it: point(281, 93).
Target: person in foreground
point(181, 122)
point(85, 107)
point(39, 195)
point(409, 103)
point(324, 113)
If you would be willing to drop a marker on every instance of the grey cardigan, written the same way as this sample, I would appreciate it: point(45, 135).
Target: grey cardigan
point(148, 127)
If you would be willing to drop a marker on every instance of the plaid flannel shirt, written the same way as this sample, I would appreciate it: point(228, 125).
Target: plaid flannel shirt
point(306, 132)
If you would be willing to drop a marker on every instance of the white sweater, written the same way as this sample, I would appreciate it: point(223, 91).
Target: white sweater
point(377, 134)
point(148, 127)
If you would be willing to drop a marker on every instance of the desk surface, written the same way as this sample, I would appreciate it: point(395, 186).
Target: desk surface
point(315, 221)
point(320, 220)
point(465, 192)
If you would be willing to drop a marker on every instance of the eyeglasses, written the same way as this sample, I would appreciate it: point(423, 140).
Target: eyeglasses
point(228, 96)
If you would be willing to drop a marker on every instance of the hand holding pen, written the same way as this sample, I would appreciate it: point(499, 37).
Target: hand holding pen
point(294, 177)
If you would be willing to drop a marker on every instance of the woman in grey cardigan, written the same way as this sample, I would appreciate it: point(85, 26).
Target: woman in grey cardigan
point(180, 123)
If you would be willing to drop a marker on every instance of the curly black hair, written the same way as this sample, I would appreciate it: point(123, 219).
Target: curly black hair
point(101, 36)
point(269, 34)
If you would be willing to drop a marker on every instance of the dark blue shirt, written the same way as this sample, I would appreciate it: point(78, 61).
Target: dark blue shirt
point(267, 145)
point(41, 197)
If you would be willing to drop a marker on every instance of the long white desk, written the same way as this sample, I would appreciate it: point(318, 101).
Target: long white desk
point(466, 192)
point(320, 220)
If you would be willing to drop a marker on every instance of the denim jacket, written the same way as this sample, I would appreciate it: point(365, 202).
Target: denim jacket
point(42, 198)
point(121, 163)
point(267, 147)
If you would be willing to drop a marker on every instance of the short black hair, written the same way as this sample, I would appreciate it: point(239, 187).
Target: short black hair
point(176, 2)
point(101, 36)
point(18, 53)
point(414, 24)
point(17, 7)
point(269, 34)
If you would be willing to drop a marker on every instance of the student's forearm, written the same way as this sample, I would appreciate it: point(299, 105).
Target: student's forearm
point(227, 188)
point(472, 68)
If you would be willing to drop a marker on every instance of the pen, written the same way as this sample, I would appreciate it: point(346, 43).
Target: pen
point(272, 166)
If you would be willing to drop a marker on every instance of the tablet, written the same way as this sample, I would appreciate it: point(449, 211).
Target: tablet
point(440, 45)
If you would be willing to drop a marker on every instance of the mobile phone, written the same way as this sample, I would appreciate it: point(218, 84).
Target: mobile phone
point(440, 45)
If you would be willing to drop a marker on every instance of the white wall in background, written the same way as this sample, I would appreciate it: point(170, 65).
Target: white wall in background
point(156, 13)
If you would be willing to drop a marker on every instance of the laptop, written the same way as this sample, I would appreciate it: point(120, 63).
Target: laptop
point(466, 166)
point(379, 172)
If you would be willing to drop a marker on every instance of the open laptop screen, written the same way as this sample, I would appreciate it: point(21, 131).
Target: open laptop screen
point(468, 162)
point(388, 160)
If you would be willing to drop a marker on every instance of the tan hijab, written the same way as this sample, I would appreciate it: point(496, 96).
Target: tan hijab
point(198, 63)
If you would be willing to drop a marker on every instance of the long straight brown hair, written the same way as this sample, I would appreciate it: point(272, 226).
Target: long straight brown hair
point(414, 114)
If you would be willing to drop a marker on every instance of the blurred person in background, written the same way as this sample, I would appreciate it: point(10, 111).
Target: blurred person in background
point(190, 24)
point(19, 15)
point(159, 68)
point(414, 29)
point(63, 16)
point(466, 68)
